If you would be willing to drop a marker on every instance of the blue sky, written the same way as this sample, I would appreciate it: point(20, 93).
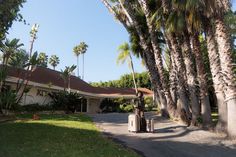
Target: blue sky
point(63, 24)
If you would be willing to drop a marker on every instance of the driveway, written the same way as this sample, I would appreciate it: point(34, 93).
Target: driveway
point(170, 139)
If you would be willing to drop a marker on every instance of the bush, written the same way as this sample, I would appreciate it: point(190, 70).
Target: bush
point(109, 105)
point(8, 100)
point(126, 108)
point(149, 105)
point(35, 107)
point(66, 101)
point(116, 105)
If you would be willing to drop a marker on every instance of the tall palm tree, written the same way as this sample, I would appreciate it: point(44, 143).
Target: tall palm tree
point(226, 59)
point(215, 67)
point(126, 14)
point(54, 61)
point(125, 56)
point(76, 51)
point(83, 49)
point(156, 42)
point(43, 59)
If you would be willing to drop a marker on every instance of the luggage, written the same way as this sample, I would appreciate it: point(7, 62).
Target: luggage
point(133, 123)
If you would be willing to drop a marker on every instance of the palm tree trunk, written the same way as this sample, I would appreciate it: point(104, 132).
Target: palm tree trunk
point(157, 52)
point(217, 77)
point(78, 66)
point(180, 67)
point(133, 74)
point(83, 67)
point(172, 73)
point(191, 79)
point(155, 79)
point(204, 97)
point(226, 60)
point(173, 80)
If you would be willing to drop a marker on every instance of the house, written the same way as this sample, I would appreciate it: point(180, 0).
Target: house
point(43, 81)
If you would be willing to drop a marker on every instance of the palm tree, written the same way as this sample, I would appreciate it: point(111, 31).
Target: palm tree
point(124, 12)
point(215, 67)
point(125, 56)
point(19, 59)
point(9, 48)
point(80, 49)
point(156, 42)
point(65, 74)
point(226, 60)
point(43, 59)
point(54, 61)
point(76, 51)
point(83, 50)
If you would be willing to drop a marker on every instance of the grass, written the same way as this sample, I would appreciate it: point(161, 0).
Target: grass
point(57, 136)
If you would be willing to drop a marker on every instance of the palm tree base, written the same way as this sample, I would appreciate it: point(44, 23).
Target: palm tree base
point(231, 105)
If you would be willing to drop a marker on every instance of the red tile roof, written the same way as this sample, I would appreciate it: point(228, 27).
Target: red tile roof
point(48, 76)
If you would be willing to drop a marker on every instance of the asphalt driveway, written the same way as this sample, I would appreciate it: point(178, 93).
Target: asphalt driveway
point(170, 139)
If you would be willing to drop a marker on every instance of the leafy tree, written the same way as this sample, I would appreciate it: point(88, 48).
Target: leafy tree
point(9, 12)
point(126, 81)
point(54, 61)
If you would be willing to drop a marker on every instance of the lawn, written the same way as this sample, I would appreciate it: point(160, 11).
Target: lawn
point(57, 136)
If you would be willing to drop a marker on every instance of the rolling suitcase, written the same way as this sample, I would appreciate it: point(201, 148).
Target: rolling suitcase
point(133, 123)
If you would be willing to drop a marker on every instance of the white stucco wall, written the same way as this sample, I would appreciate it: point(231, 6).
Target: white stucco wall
point(33, 96)
point(93, 105)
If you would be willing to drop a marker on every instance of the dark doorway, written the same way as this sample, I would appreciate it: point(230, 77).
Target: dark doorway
point(82, 106)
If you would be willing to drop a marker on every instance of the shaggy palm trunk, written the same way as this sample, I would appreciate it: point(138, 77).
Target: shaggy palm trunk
point(226, 60)
point(172, 74)
point(155, 79)
point(173, 81)
point(191, 79)
point(157, 54)
point(204, 97)
point(217, 78)
point(180, 68)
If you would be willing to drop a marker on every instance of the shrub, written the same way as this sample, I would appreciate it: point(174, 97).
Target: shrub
point(65, 101)
point(149, 105)
point(129, 108)
point(35, 107)
point(109, 105)
point(8, 101)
